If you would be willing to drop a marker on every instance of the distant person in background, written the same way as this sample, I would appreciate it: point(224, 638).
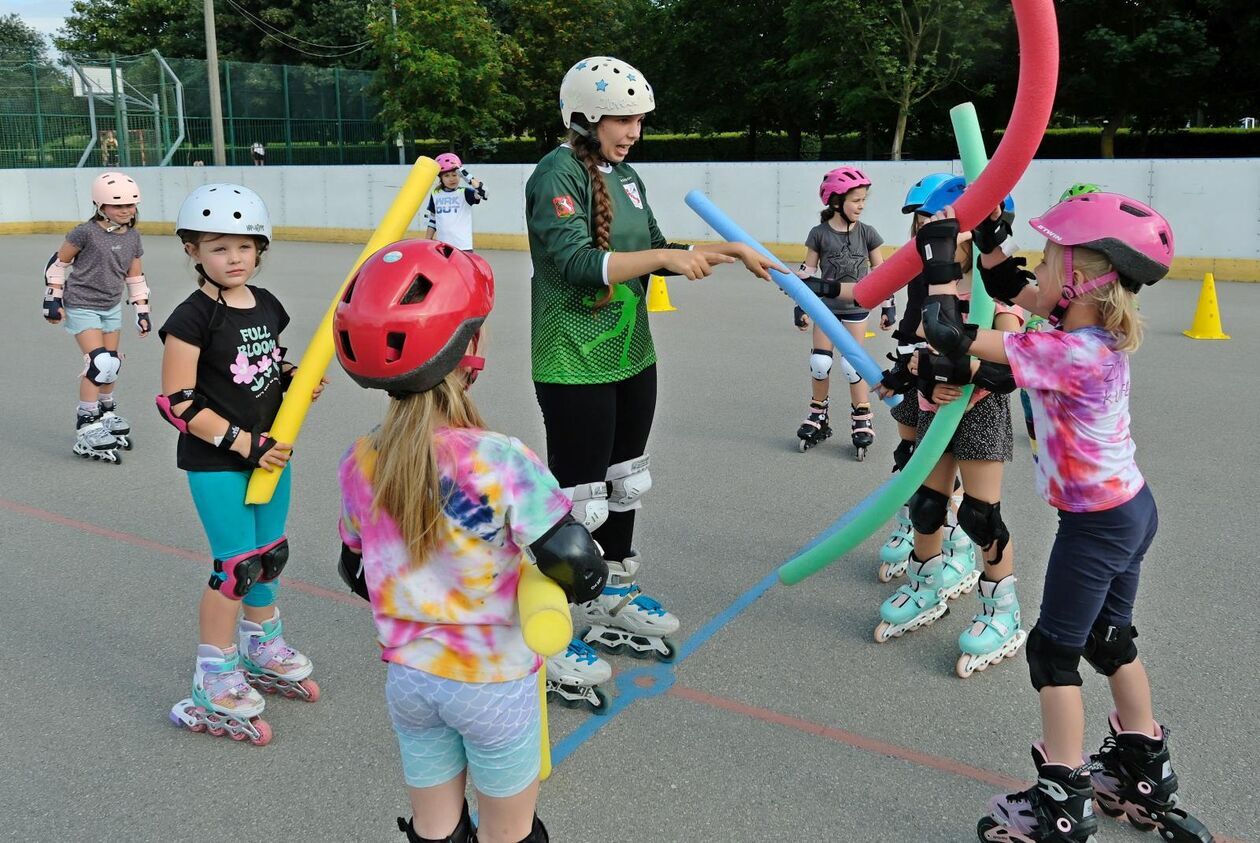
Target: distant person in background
point(448, 216)
point(109, 149)
point(260, 154)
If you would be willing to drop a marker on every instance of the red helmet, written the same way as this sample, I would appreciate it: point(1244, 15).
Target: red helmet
point(406, 317)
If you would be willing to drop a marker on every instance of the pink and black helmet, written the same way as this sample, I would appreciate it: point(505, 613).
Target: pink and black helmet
point(1135, 237)
point(840, 181)
point(448, 161)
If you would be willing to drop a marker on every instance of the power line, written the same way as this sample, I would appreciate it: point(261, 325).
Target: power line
point(291, 42)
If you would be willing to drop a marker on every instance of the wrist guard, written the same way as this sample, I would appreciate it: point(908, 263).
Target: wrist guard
point(1006, 280)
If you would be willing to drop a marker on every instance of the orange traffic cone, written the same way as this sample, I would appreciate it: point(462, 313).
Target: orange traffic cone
point(1207, 316)
point(658, 296)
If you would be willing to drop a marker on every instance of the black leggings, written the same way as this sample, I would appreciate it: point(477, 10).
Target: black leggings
point(593, 426)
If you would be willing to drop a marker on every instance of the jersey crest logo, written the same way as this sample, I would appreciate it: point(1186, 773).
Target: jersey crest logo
point(632, 190)
point(564, 205)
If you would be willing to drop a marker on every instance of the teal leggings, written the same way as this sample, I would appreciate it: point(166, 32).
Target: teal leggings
point(234, 527)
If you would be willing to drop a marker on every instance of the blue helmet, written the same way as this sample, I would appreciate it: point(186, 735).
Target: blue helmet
point(921, 189)
point(947, 192)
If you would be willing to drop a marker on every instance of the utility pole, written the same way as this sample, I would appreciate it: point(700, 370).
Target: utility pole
point(398, 141)
point(216, 101)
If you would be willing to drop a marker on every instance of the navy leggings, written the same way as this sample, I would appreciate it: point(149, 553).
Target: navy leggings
point(1093, 571)
point(591, 427)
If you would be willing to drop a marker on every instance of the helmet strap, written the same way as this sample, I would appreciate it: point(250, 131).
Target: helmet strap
point(1073, 291)
point(474, 364)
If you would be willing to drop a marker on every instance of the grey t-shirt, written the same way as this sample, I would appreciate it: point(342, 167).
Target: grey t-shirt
point(98, 275)
point(843, 256)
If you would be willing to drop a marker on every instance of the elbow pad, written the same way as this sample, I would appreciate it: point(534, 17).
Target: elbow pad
point(55, 272)
point(568, 555)
point(937, 243)
point(351, 569)
point(137, 290)
point(994, 377)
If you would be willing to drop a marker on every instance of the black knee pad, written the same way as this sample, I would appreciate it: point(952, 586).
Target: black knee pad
point(902, 454)
point(983, 523)
point(273, 557)
point(465, 832)
point(102, 366)
point(1110, 648)
point(235, 576)
point(927, 510)
point(1050, 664)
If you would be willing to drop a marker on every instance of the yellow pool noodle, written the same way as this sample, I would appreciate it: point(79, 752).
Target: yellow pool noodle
point(545, 619)
point(319, 353)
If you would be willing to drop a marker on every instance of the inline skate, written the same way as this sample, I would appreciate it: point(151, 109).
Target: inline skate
point(222, 702)
point(270, 664)
point(816, 427)
point(995, 632)
point(624, 618)
point(574, 677)
point(93, 440)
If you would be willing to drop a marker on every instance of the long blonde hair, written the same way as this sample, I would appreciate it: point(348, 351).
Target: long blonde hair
point(406, 476)
point(1116, 305)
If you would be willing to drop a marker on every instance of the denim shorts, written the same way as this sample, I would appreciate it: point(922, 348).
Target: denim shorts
point(492, 729)
point(80, 319)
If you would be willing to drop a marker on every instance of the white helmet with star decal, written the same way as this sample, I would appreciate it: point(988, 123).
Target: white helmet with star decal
point(603, 86)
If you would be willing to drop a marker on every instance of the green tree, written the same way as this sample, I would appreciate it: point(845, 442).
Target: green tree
point(442, 71)
point(1146, 64)
point(329, 33)
point(552, 36)
point(19, 41)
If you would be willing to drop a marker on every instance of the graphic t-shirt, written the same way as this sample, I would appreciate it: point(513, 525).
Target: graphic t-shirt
point(98, 274)
point(572, 342)
point(454, 614)
point(449, 214)
point(1078, 386)
point(238, 371)
point(844, 255)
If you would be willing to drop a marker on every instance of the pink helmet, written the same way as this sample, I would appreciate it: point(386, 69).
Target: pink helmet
point(1135, 237)
point(448, 161)
point(840, 181)
point(114, 189)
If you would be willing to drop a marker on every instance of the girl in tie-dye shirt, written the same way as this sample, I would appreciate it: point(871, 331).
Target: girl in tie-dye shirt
point(436, 514)
point(1102, 249)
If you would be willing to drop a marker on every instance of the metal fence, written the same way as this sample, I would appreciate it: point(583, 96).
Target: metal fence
point(123, 111)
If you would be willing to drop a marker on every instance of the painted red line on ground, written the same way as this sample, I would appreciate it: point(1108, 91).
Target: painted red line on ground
point(871, 745)
point(157, 547)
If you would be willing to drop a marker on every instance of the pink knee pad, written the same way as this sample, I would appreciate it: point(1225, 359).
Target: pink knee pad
point(234, 577)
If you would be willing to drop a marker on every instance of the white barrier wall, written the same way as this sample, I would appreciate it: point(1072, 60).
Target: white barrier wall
point(1213, 204)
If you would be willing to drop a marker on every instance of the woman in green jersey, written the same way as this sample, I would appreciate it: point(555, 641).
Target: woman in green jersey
point(594, 241)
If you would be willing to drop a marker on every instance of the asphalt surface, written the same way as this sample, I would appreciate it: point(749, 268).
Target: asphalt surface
point(784, 720)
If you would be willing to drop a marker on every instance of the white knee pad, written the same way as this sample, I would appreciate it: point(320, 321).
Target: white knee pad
point(589, 504)
point(820, 360)
point(850, 373)
point(630, 480)
point(101, 366)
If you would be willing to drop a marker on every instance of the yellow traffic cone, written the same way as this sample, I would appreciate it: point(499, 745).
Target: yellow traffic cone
point(658, 296)
point(1207, 316)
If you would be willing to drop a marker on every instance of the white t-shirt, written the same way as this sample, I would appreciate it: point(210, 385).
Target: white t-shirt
point(449, 213)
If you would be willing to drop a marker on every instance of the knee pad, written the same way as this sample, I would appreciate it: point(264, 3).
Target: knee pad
point(627, 482)
point(927, 510)
point(1051, 664)
point(1110, 648)
point(274, 557)
point(820, 360)
point(235, 576)
point(101, 366)
point(983, 523)
point(902, 454)
point(465, 832)
point(589, 504)
point(850, 373)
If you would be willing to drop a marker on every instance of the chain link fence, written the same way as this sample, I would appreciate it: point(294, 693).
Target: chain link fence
point(124, 111)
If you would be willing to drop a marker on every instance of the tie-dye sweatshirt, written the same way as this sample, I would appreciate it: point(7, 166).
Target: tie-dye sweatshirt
point(454, 614)
point(1078, 385)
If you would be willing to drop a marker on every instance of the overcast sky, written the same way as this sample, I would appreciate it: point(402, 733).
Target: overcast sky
point(45, 15)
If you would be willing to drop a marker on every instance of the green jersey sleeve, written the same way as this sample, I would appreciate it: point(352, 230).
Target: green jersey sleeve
point(557, 211)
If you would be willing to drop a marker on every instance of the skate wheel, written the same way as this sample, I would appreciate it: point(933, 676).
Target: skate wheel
point(238, 736)
point(217, 731)
point(885, 572)
point(802, 445)
point(127, 447)
point(264, 732)
point(670, 652)
point(600, 708)
point(963, 667)
point(861, 454)
point(311, 689)
point(883, 632)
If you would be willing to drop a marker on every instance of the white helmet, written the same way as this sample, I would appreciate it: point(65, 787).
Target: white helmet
point(224, 209)
point(600, 86)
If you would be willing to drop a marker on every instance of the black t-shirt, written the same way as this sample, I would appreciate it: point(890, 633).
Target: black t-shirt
point(238, 371)
point(907, 332)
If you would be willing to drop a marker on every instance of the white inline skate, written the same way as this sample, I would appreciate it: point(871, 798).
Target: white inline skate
point(574, 677)
point(93, 441)
point(222, 702)
point(624, 618)
point(116, 424)
point(271, 665)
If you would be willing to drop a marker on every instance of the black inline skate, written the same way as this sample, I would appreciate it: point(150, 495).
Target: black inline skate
point(816, 427)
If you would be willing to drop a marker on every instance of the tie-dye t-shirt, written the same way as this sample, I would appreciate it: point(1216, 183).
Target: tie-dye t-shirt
point(1078, 386)
point(454, 615)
